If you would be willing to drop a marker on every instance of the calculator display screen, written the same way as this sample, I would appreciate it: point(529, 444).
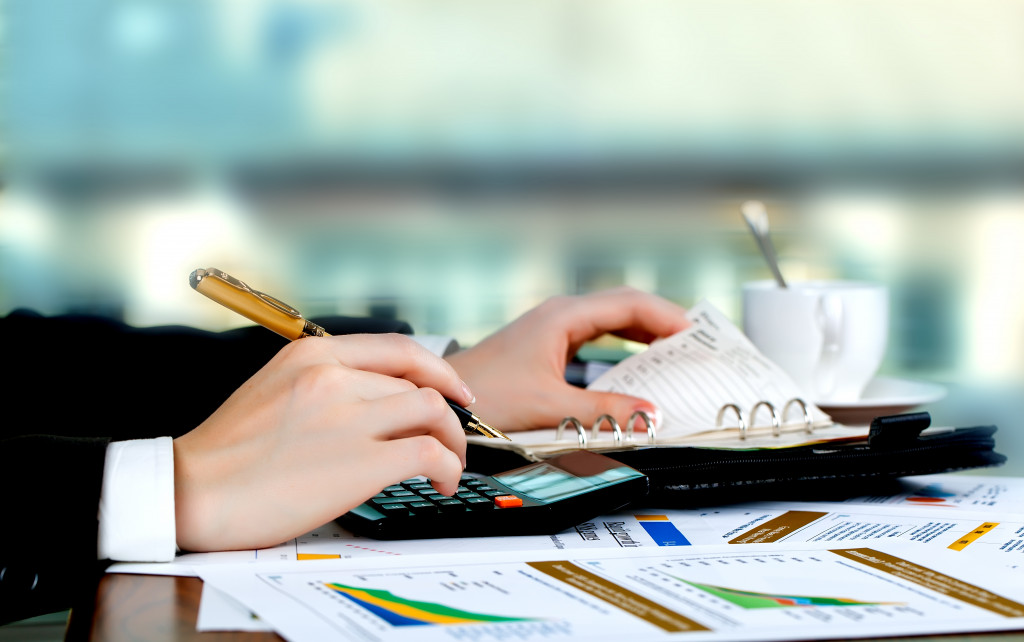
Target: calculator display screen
point(547, 483)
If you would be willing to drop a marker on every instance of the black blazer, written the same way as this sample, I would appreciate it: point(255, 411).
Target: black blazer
point(74, 383)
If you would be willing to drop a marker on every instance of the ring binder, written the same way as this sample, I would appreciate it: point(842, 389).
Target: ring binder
point(808, 420)
point(714, 390)
point(739, 417)
point(652, 437)
point(702, 378)
point(776, 424)
point(581, 434)
point(745, 424)
point(595, 431)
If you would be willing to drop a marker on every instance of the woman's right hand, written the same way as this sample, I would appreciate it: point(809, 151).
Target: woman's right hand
point(326, 424)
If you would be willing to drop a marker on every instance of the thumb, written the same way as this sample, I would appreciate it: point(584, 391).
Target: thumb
point(588, 405)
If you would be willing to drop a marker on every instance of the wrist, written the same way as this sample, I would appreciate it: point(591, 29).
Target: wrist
point(192, 518)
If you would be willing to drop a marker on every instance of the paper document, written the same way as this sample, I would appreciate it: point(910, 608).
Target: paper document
point(832, 524)
point(691, 374)
point(218, 611)
point(966, 492)
point(711, 593)
point(969, 532)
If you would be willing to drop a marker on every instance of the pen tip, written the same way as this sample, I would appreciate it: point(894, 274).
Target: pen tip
point(493, 432)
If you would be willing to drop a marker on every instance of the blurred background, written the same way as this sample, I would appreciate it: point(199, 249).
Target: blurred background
point(454, 163)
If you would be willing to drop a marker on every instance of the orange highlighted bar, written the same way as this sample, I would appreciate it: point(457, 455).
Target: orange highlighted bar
point(302, 557)
point(967, 539)
point(507, 501)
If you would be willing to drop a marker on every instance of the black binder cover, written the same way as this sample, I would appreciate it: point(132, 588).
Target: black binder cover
point(687, 477)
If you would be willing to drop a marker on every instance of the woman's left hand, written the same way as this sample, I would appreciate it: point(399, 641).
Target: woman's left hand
point(518, 373)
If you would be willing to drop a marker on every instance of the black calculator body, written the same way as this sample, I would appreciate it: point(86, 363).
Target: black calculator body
point(537, 499)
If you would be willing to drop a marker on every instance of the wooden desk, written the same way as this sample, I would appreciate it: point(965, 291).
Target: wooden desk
point(155, 608)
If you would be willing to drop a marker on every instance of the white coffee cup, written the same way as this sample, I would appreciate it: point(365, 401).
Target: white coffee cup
point(829, 336)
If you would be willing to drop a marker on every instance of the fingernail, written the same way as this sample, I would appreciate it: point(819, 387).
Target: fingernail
point(469, 393)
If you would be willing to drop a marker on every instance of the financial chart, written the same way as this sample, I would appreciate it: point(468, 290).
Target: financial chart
point(753, 592)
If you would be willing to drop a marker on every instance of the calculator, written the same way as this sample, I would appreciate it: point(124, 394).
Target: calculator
point(542, 498)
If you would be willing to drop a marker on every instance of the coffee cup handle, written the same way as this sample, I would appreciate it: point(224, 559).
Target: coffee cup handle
point(830, 322)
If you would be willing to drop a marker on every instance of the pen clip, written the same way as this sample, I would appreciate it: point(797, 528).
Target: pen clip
point(243, 286)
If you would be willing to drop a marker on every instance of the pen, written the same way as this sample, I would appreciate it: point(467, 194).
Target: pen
point(285, 320)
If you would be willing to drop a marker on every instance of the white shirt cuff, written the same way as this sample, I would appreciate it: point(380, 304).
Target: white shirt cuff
point(439, 345)
point(136, 512)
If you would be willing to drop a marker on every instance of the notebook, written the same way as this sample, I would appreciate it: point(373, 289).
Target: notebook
point(736, 428)
point(715, 389)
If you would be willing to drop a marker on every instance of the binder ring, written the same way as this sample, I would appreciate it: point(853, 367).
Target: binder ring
point(616, 430)
point(581, 433)
point(739, 417)
point(808, 422)
point(776, 424)
point(651, 436)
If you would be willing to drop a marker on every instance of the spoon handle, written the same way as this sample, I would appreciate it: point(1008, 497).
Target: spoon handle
point(768, 249)
point(757, 220)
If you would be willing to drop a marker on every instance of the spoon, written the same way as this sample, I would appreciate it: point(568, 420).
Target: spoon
point(757, 218)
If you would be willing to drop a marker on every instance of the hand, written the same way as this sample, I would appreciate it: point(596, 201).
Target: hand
point(518, 373)
point(325, 424)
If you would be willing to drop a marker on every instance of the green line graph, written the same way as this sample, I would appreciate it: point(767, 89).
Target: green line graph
point(756, 600)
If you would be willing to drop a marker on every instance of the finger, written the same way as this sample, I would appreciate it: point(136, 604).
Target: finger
point(628, 313)
point(419, 412)
point(588, 405)
point(395, 355)
point(368, 386)
point(419, 455)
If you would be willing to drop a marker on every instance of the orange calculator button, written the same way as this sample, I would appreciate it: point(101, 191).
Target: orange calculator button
point(507, 501)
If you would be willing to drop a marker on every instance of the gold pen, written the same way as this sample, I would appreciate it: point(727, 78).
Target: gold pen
point(285, 320)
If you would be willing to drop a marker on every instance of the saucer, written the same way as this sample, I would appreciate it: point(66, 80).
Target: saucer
point(883, 396)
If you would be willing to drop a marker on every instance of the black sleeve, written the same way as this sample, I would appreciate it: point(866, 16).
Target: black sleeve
point(51, 488)
point(93, 377)
point(73, 384)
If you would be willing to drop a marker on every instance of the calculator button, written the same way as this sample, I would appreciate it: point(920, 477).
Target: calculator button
point(461, 489)
point(411, 481)
point(418, 486)
point(474, 483)
point(483, 488)
point(507, 501)
point(394, 510)
point(381, 501)
point(479, 503)
point(492, 493)
point(401, 493)
point(467, 478)
point(467, 495)
point(423, 508)
point(379, 495)
point(451, 505)
point(391, 489)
